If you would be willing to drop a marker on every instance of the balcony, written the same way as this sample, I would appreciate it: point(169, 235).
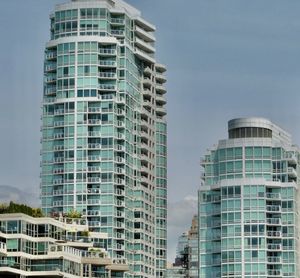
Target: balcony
point(144, 157)
point(292, 172)
point(274, 247)
point(147, 104)
point(161, 111)
point(107, 63)
point(58, 181)
point(274, 208)
point(145, 169)
point(161, 89)
point(50, 56)
point(274, 260)
point(50, 68)
point(94, 122)
point(160, 77)
point(119, 148)
point(94, 223)
point(147, 93)
point(107, 51)
point(273, 196)
point(273, 221)
point(58, 136)
point(143, 34)
point(3, 250)
point(57, 203)
point(274, 273)
point(147, 81)
point(58, 192)
point(120, 182)
point(143, 55)
point(94, 109)
point(144, 45)
point(120, 124)
point(119, 224)
point(120, 136)
point(94, 180)
point(291, 158)
point(117, 33)
point(160, 100)
point(107, 87)
point(93, 202)
point(94, 146)
point(107, 75)
point(118, 265)
point(148, 71)
point(59, 112)
point(92, 191)
point(95, 258)
point(119, 247)
point(94, 158)
point(58, 123)
point(274, 234)
point(93, 213)
point(58, 171)
point(120, 192)
point(50, 91)
point(117, 21)
point(120, 112)
point(119, 160)
point(119, 171)
point(58, 148)
point(145, 125)
point(94, 169)
point(120, 203)
point(144, 180)
point(94, 134)
point(58, 160)
point(120, 100)
point(50, 79)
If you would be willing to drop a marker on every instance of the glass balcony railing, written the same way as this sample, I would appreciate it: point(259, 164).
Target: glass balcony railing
point(107, 51)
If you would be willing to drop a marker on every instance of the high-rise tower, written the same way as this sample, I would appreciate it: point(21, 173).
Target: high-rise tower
point(249, 204)
point(104, 129)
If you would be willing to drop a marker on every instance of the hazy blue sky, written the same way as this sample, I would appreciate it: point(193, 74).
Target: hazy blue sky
point(225, 59)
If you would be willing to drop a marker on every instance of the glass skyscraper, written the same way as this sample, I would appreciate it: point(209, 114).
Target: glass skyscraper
point(249, 204)
point(104, 129)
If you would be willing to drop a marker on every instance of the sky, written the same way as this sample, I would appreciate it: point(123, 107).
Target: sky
point(225, 59)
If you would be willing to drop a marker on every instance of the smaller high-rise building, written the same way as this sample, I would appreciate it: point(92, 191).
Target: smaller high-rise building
point(249, 204)
point(45, 247)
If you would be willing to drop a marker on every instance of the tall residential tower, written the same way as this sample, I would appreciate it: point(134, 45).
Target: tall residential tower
point(249, 204)
point(104, 129)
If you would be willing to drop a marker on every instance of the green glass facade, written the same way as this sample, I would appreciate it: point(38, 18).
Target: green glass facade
point(248, 211)
point(104, 129)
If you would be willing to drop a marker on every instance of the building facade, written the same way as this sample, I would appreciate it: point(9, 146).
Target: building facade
point(45, 247)
point(104, 129)
point(248, 204)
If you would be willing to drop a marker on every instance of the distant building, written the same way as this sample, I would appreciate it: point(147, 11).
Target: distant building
point(193, 261)
point(45, 247)
point(249, 204)
point(181, 249)
point(176, 272)
point(186, 261)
